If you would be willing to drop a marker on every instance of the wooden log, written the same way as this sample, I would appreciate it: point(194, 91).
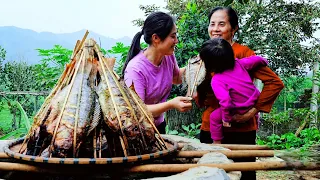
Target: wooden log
point(229, 154)
point(156, 168)
point(246, 166)
point(235, 146)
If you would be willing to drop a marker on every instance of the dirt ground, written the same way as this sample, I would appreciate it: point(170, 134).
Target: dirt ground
point(288, 175)
point(285, 175)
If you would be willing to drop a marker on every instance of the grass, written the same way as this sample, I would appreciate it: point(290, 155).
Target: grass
point(6, 131)
point(5, 120)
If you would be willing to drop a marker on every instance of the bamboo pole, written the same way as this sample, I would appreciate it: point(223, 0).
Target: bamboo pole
point(64, 105)
point(246, 166)
point(229, 154)
point(125, 98)
point(122, 137)
point(235, 146)
point(158, 168)
point(78, 104)
point(195, 80)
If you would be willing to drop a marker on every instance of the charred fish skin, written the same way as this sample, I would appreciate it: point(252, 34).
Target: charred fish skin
point(112, 105)
point(64, 137)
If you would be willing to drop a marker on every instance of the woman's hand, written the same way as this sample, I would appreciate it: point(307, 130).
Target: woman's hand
point(181, 104)
point(245, 117)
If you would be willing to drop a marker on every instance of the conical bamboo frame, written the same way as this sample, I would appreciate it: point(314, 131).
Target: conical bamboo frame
point(45, 106)
point(162, 142)
point(78, 62)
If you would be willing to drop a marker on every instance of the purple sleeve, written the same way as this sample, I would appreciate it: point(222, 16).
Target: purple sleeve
point(136, 78)
point(221, 91)
point(253, 62)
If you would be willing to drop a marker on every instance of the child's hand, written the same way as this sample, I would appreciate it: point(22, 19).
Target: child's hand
point(226, 124)
point(181, 104)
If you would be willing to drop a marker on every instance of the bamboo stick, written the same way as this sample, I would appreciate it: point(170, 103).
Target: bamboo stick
point(123, 144)
point(158, 168)
point(78, 106)
point(95, 143)
point(195, 80)
point(64, 105)
point(229, 154)
point(125, 98)
point(246, 166)
point(235, 146)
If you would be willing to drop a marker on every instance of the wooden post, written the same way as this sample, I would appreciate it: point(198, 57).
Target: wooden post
point(229, 154)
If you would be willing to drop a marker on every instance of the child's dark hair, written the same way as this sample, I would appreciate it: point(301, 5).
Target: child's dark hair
point(217, 56)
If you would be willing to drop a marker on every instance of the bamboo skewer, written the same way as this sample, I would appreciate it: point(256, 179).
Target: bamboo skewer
point(63, 106)
point(228, 153)
point(195, 80)
point(162, 142)
point(159, 168)
point(95, 143)
point(236, 146)
point(123, 94)
point(78, 106)
point(45, 106)
point(100, 144)
point(123, 144)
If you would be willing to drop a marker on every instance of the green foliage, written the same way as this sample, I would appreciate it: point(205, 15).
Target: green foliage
point(277, 29)
point(293, 93)
point(307, 138)
point(15, 134)
point(17, 76)
point(189, 131)
point(51, 66)
point(192, 31)
point(122, 50)
point(147, 9)
point(277, 118)
point(2, 56)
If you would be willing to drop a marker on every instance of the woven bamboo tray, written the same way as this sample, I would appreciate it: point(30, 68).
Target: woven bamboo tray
point(12, 151)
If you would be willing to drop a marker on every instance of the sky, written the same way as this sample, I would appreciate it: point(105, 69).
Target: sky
point(111, 18)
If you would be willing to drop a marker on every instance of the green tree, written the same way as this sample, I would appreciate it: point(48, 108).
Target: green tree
point(2, 55)
point(51, 66)
point(147, 9)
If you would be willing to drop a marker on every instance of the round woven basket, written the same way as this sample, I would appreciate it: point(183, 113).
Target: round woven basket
point(12, 150)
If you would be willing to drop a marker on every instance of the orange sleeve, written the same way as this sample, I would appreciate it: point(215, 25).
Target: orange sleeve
point(272, 85)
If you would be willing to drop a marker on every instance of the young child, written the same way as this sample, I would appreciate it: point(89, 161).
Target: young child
point(231, 83)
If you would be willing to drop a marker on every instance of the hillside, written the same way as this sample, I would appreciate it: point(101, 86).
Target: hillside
point(21, 44)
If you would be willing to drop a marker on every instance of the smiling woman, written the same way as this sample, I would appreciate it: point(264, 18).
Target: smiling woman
point(152, 71)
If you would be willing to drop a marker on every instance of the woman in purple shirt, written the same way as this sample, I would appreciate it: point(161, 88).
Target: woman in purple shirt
point(231, 83)
point(152, 71)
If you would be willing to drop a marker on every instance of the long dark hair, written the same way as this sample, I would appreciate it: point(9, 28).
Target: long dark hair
point(217, 56)
point(232, 14)
point(158, 23)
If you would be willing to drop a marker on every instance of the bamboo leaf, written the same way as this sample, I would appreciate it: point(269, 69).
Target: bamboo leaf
point(14, 133)
point(24, 115)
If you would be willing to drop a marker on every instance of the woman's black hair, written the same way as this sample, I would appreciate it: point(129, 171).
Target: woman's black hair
point(232, 14)
point(217, 56)
point(158, 23)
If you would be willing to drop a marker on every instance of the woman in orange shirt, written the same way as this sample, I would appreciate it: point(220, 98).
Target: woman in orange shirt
point(223, 23)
